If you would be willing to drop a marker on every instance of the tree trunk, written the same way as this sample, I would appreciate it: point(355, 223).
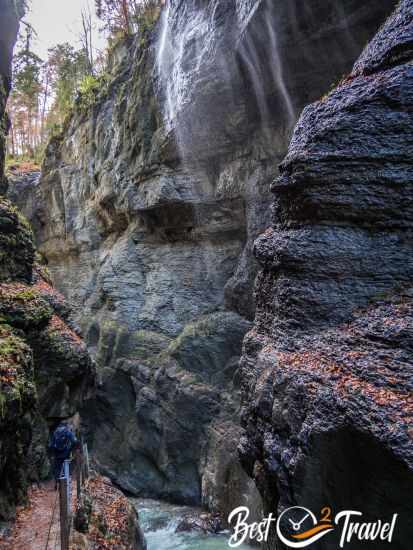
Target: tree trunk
point(12, 141)
point(125, 11)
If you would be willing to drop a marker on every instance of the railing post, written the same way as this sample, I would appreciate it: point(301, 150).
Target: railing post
point(86, 459)
point(64, 520)
point(68, 485)
point(78, 475)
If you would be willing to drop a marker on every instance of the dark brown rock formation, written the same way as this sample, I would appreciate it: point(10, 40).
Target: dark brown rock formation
point(105, 518)
point(327, 369)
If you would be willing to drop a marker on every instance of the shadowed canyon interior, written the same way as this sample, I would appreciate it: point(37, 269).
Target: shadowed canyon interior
point(250, 324)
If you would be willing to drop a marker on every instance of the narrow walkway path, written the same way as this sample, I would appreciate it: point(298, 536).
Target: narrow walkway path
point(113, 521)
point(33, 521)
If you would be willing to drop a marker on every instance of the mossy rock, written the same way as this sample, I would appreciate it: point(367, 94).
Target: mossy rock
point(17, 408)
point(23, 307)
point(61, 352)
point(17, 250)
point(138, 345)
point(17, 391)
point(42, 271)
point(44, 287)
point(115, 341)
point(208, 346)
point(64, 369)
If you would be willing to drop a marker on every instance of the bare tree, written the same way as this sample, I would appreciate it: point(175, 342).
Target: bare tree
point(86, 39)
point(122, 17)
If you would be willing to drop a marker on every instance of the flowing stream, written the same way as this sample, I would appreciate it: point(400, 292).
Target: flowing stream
point(159, 521)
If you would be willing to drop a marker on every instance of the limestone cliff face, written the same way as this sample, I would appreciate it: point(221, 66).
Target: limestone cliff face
point(327, 368)
point(45, 369)
point(147, 210)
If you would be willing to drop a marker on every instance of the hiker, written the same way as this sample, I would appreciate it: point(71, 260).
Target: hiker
point(61, 445)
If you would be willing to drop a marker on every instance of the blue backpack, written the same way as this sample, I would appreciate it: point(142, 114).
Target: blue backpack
point(62, 440)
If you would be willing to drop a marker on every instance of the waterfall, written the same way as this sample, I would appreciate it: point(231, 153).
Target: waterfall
point(172, 66)
point(277, 69)
point(202, 83)
point(250, 58)
point(164, 65)
point(261, 56)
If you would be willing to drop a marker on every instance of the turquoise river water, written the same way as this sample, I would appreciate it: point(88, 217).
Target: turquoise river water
point(159, 521)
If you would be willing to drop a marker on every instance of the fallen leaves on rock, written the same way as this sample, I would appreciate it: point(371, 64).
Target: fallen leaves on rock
point(110, 521)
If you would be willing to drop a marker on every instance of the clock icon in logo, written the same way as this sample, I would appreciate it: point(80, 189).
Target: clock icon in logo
point(297, 527)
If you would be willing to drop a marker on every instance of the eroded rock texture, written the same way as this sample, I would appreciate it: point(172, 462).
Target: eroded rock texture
point(327, 369)
point(45, 368)
point(147, 210)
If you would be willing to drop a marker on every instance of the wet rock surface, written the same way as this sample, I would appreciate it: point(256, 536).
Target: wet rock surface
point(161, 449)
point(327, 368)
point(207, 523)
point(261, 64)
point(147, 219)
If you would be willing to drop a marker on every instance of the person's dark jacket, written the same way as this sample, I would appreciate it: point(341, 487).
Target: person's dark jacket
point(62, 443)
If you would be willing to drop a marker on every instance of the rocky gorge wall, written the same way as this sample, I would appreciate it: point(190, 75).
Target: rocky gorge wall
point(45, 368)
point(147, 210)
point(10, 15)
point(327, 368)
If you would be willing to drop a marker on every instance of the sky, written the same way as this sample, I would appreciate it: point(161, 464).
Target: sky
point(57, 21)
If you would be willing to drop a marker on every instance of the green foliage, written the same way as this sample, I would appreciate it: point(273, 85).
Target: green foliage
point(89, 86)
point(68, 67)
point(148, 15)
point(27, 77)
point(21, 164)
point(89, 90)
point(43, 96)
point(27, 87)
point(46, 93)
